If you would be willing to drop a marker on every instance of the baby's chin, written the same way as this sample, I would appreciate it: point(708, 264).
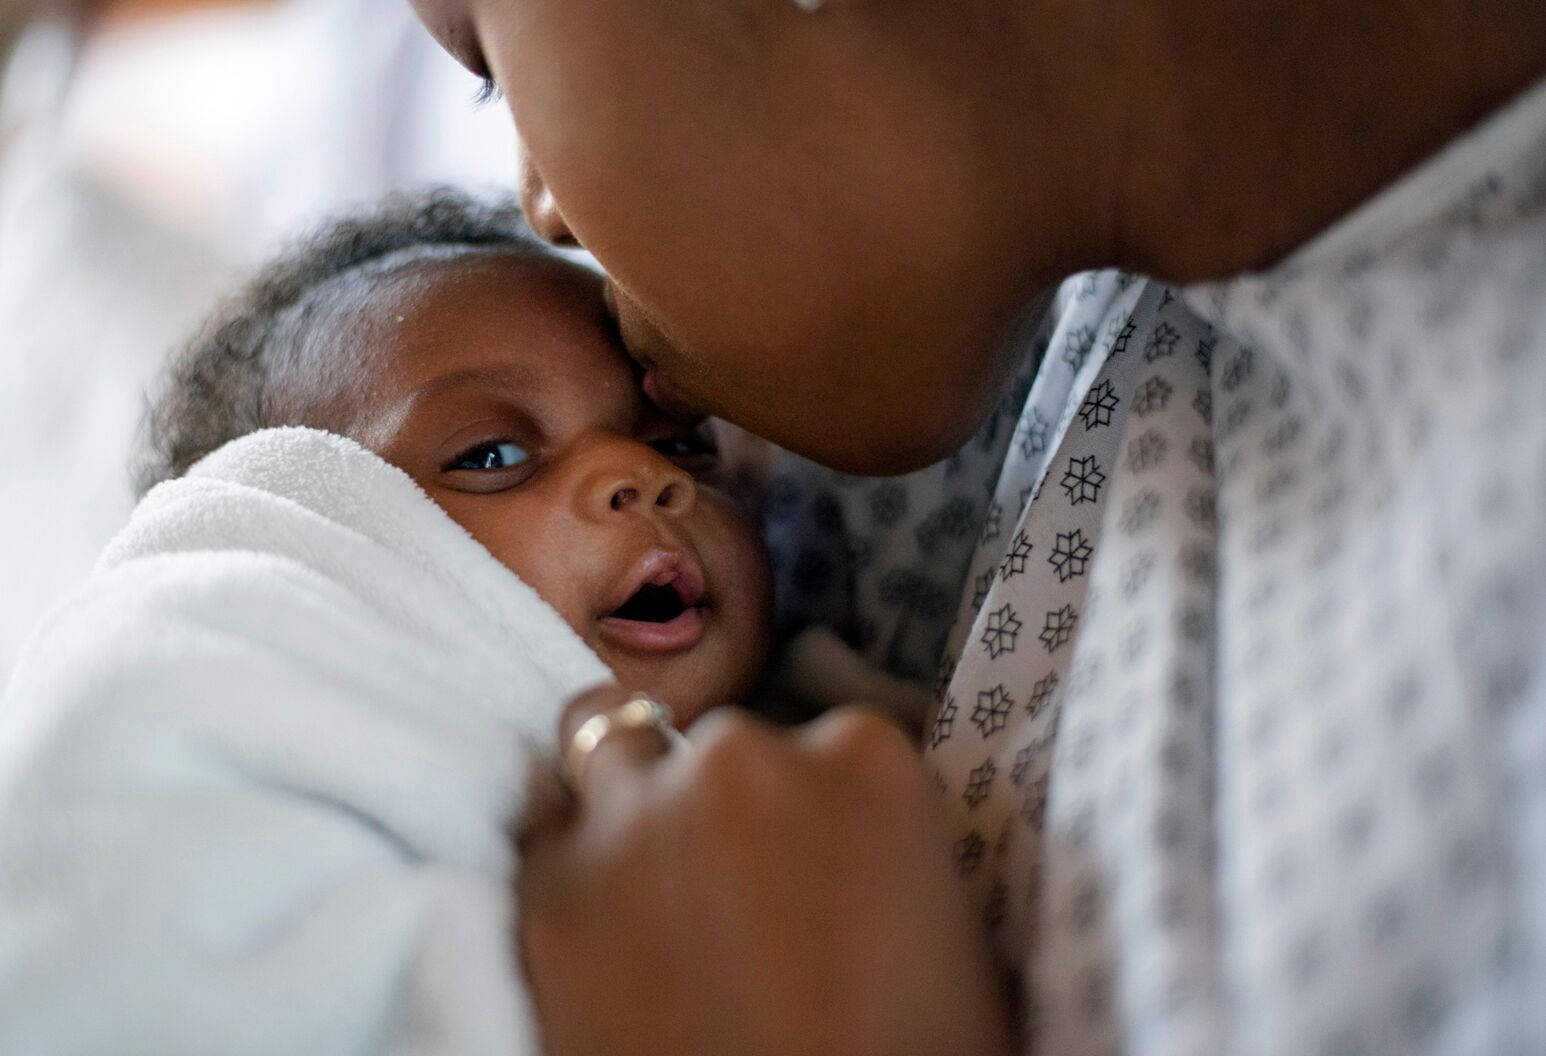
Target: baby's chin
point(723, 663)
point(687, 690)
point(686, 700)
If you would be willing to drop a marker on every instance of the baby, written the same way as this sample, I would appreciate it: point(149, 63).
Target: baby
point(258, 777)
point(441, 336)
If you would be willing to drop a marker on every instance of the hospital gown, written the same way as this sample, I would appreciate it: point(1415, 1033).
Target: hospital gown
point(1241, 716)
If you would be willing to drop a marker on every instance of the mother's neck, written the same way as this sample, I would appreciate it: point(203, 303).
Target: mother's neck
point(1252, 125)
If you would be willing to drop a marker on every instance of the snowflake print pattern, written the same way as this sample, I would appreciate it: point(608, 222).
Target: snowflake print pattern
point(1033, 807)
point(1140, 511)
point(939, 733)
point(1096, 410)
point(980, 587)
point(1019, 553)
point(1237, 370)
point(992, 710)
point(1152, 396)
point(969, 850)
point(978, 782)
point(1205, 347)
point(1200, 507)
point(999, 636)
point(956, 519)
point(1136, 575)
point(1200, 453)
point(1070, 555)
point(1031, 434)
point(1082, 480)
point(1041, 694)
point(1145, 451)
point(940, 788)
point(990, 526)
point(1022, 767)
point(1161, 343)
point(1120, 331)
point(947, 667)
point(1283, 436)
point(1077, 346)
point(1058, 628)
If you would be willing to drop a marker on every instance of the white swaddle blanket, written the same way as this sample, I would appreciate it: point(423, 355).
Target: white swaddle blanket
point(257, 776)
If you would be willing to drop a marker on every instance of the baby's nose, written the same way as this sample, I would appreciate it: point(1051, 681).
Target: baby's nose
point(625, 476)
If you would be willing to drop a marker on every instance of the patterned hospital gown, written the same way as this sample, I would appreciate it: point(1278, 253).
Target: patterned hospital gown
point(1241, 713)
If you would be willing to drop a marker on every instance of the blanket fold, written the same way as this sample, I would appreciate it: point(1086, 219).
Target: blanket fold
point(256, 777)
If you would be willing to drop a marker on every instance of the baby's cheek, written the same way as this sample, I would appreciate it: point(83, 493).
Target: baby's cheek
point(545, 556)
point(739, 544)
point(751, 585)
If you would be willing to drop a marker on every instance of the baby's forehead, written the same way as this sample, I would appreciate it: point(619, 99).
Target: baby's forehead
point(407, 323)
point(439, 293)
point(418, 278)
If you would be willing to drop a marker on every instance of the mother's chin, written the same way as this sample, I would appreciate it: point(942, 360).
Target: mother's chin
point(900, 440)
point(887, 389)
point(876, 426)
point(861, 411)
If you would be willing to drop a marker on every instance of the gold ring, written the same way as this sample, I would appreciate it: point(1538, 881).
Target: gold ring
point(639, 711)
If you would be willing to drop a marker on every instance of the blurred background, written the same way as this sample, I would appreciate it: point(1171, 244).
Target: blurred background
point(151, 152)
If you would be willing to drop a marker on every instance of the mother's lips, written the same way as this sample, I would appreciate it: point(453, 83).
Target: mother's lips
point(659, 390)
point(641, 337)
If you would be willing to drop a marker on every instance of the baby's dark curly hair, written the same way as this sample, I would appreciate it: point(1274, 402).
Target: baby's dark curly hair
point(234, 377)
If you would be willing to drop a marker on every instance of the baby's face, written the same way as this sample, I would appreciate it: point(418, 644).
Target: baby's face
point(498, 384)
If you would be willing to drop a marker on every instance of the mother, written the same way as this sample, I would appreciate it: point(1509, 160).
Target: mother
point(1287, 699)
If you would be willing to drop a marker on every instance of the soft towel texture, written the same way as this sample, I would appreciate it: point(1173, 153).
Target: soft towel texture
point(257, 776)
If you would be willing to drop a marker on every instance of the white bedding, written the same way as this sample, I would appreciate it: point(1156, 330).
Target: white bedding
point(256, 777)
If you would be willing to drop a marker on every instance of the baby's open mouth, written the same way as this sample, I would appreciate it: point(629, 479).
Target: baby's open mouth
point(665, 611)
point(652, 604)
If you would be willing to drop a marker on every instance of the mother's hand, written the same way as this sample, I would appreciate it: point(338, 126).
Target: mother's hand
point(760, 892)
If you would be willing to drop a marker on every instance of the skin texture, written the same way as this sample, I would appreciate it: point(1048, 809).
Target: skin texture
point(842, 936)
point(448, 359)
point(820, 225)
point(861, 254)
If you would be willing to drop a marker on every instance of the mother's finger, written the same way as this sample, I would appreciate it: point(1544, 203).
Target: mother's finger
point(595, 769)
point(549, 807)
point(857, 728)
point(866, 746)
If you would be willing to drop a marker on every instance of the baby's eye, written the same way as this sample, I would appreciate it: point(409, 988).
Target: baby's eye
point(694, 450)
point(494, 455)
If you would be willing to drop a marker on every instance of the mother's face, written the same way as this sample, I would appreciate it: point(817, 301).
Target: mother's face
point(804, 215)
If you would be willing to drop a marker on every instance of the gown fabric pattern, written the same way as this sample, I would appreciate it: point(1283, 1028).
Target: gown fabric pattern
point(1241, 717)
point(1086, 643)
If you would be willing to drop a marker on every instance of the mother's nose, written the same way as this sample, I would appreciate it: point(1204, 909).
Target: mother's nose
point(541, 209)
point(623, 476)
